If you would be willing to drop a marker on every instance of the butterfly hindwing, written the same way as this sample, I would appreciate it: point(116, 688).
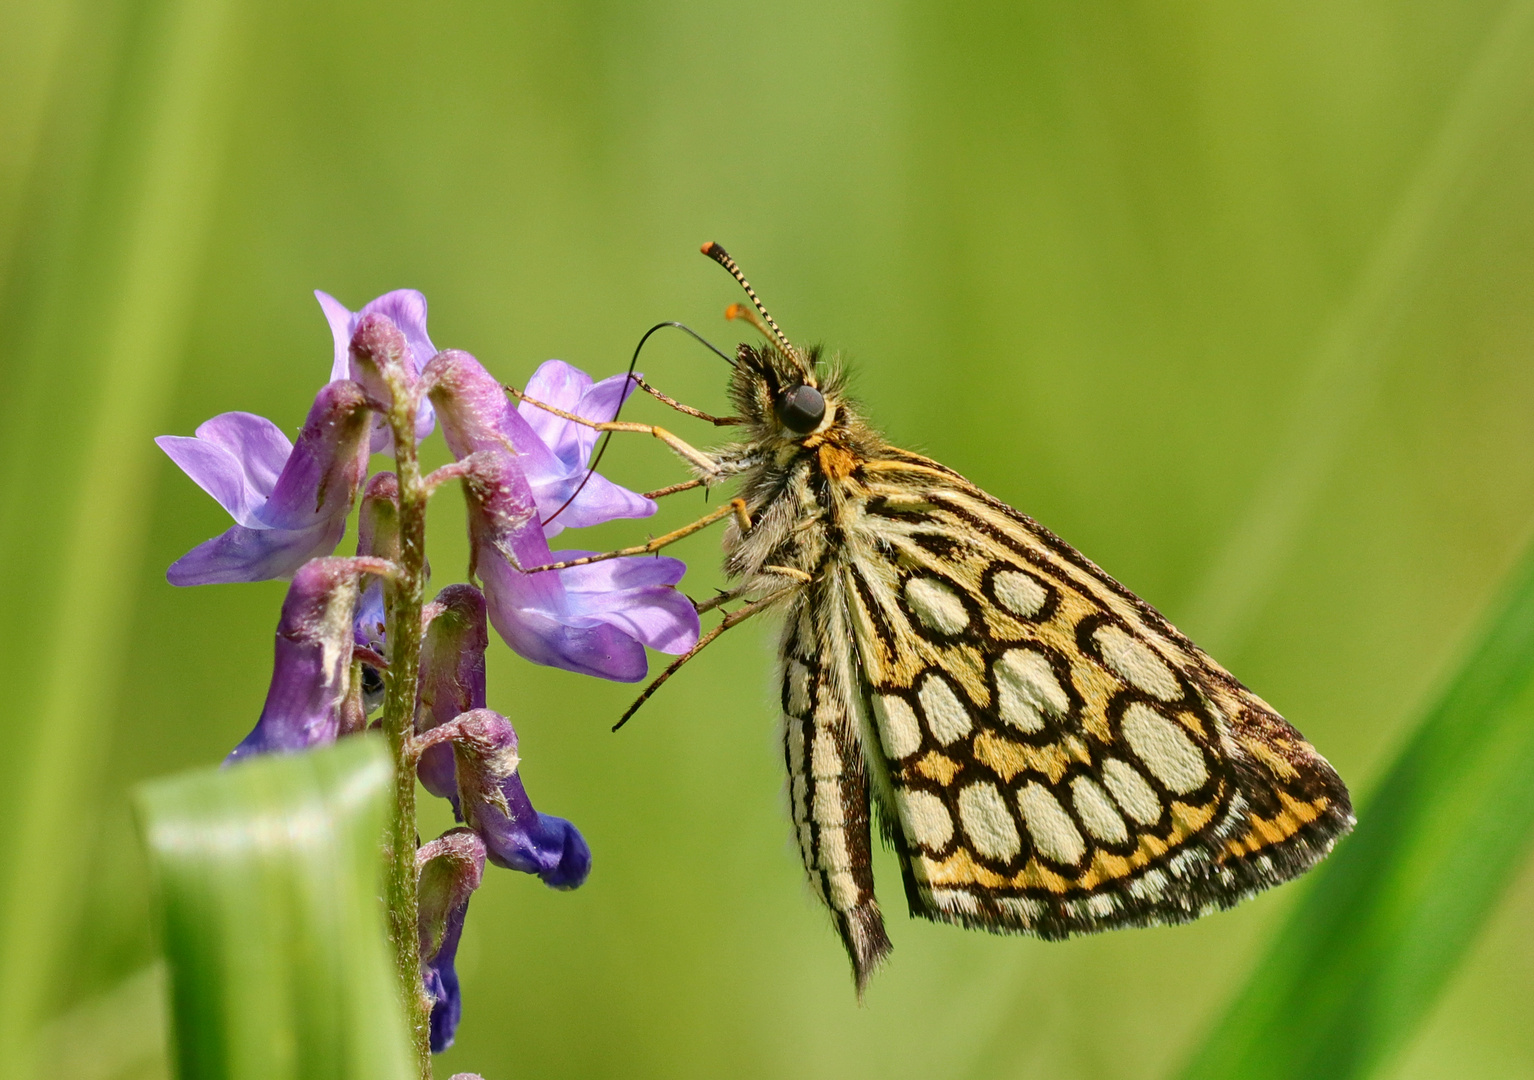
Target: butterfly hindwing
point(1060, 760)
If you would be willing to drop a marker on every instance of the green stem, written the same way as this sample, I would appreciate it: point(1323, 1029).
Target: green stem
point(407, 591)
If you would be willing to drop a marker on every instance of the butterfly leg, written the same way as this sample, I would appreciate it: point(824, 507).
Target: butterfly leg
point(686, 410)
point(735, 507)
point(710, 468)
point(734, 618)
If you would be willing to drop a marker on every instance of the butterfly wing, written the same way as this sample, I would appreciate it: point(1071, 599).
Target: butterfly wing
point(1056, 757)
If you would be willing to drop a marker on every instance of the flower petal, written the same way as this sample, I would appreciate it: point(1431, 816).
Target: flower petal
point(451, 867)
point(216, 471)
point(561, 385)
point(496, 806)
point(635, 595)
point(242, 554)
point(260, 445)
point(601, 403)
point(599, 500)
point(601, 628)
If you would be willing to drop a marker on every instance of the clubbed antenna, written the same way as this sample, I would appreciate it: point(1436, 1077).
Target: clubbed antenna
point(722, 257)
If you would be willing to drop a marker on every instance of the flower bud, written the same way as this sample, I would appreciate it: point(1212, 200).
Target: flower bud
point(312, 669)
point(452, 679)
point(406, 308)
point(451, 868)
point(495, 804)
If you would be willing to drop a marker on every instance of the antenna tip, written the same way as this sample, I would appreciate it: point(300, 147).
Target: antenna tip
point(737, 311)
point(708, 248)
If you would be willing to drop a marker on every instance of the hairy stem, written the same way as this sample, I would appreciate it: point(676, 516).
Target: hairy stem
point(404, 632)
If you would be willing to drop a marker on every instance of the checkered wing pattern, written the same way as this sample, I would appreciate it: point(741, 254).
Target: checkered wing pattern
point(1056, 757)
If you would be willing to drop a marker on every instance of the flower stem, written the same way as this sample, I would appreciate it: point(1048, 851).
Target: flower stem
point(404, 635)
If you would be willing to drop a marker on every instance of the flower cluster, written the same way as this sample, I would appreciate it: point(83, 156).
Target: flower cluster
point(341, 633)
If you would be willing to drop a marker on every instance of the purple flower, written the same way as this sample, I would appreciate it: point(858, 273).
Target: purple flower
point(452, 680)
point(553, 452)
point(594, 619)
point(406, 308)
point(451, 868)
point(312, 671)
point(289, 502)
point(496, 806)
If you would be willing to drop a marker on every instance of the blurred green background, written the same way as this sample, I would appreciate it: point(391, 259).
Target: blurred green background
point(1236, 298)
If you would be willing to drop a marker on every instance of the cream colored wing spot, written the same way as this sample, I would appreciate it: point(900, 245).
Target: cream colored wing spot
point(825, 759)
point(827, 809)
point(956, 901)
point(795, 742)
point(1026, 689)
point(899, 732)
point(844, 890)
point(947, 718)
point(1024, 908)
point(1136, 663)
point(1166, 751)
point(925, 818)
point(796, 678)
point(936, 605)
point(1129, 788)
point(1019, 593)
point(988, 823)
point(1053, 832)
point(1097, 811)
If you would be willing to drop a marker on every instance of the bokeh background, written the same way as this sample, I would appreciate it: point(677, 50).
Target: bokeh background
point(1236, 298)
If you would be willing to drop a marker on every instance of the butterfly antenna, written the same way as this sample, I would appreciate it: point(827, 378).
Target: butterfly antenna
point(722, 257)
point(629, 375)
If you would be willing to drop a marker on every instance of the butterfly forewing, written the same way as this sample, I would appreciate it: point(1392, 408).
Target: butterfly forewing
point(1059, 759)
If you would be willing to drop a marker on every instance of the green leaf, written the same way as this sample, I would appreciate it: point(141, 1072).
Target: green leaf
point(268, 878)
point(1390, 914)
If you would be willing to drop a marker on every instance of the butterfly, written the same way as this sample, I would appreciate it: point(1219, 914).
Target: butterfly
point(1045, 753)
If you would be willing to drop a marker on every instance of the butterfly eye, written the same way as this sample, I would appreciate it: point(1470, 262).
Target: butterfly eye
point(802, 409)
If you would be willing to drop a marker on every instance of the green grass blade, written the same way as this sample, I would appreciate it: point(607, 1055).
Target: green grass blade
point(268, 877)
point(1390, 914)
point(118, 233)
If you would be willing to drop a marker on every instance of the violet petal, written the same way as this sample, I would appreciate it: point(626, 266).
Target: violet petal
point(312, 668)
point(241, 554)
point(285, 516)
point(234, 457)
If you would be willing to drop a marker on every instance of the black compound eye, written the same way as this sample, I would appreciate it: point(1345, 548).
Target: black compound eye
point(802, 409)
